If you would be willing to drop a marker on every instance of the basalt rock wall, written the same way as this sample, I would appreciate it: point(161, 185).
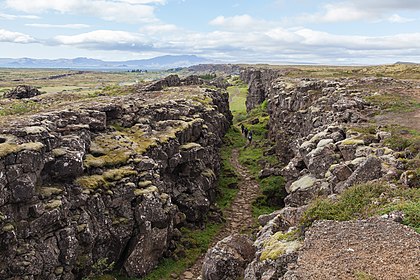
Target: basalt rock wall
point(107, 183)
point(321, 134)
point(260, 82)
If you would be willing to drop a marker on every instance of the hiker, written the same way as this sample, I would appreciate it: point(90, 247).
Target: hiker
point(242, 128)
point(250, 136)
point(246, 132)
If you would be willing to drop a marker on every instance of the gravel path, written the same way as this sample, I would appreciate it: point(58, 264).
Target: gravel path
point(238, 216)
point(364, 249)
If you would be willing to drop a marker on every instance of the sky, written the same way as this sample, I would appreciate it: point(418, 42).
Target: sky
point(235, 31)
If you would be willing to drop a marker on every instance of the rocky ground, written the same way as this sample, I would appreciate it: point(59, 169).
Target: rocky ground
point(374, 249)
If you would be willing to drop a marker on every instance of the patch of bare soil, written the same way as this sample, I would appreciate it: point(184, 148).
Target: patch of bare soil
point(364, 249)
point(409, 120)
point(406, 119)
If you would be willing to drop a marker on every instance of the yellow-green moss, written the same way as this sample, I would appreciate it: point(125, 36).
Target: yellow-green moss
point(9, 148)
point(118, 174)
point(114, 158)
point(352, 142)
point(49, 191)
point(81, 228)
point(189, 146)
point(91, 182)
point(151, 189)
point(53, 204)
point(59, 152)
point(116, 148)
point(98, 181)
point(208, 173)
point(8, 227)
point(278, 248)
point(119, 221)
point(279, 244)
point(144, 184)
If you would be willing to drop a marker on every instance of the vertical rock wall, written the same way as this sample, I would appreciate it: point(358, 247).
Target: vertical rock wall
point(106, 182)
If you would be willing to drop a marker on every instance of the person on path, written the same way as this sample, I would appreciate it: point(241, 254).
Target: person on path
point(246, 132)
point(250, 137)
point(242, 128)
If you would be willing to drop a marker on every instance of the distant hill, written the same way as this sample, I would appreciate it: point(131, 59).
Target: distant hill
point(405, 62)
point(156, 63)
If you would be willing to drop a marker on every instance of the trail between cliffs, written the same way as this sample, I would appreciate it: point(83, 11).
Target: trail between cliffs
point(238, 216)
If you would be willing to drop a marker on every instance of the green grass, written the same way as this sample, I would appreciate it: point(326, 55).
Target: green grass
point(394, 102)
point(272, 188)
point(237, 99)
point(365, 200)
point(228, 178)
point(198, 242)
point(19, 107)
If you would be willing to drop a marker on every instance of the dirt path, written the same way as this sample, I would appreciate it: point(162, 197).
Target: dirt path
point(238, 216)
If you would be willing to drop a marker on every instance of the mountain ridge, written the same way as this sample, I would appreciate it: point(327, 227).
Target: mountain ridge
point(158, 63)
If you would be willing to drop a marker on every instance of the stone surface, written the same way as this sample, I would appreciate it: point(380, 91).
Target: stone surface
point(228, 259)
point(75, 192)
point(22, 91)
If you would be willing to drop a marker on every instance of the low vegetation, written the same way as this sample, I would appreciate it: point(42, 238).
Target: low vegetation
point(394, 102)
point(366, 200)
point(194, 243)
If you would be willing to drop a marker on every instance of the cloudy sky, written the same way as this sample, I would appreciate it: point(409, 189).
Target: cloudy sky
point(269, 31)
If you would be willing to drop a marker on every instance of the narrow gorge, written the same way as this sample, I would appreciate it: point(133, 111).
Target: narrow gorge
point(352, 180)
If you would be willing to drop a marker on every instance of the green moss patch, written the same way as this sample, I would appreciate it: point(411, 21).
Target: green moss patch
point(104, 180)
point(10, 148)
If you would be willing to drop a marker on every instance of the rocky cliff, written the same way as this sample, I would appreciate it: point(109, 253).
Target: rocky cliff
point(321, 132)
point(107, 182)
point(322, 135)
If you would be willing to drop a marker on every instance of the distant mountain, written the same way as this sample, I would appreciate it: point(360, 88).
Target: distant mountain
point(405, 62)
point(156, 63)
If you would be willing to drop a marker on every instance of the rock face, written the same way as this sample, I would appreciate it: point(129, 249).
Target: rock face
point(107, 182)
point(228, 259)
point(259, 82)
point(22, 91)
point(317, 127)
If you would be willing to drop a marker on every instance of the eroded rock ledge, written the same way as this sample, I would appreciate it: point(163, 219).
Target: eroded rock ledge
point(107, 181)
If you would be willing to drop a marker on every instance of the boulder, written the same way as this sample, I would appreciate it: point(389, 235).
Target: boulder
point(22, 91)
point(369, 170)
point(228, 259)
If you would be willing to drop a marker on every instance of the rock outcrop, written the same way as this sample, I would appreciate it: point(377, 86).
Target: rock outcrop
point(107, 183)
point(228, 259)
point(319, 130)
point(21, 92)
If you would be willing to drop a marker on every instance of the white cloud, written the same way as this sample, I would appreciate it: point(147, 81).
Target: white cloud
point(158, 28)
point(274, 44)
point(399, 19)
point(353, 10)
point(15, 37)
point(13, 17)
point(122, 11)
point(69, 26)
point(240, 22)
point(106, 40)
